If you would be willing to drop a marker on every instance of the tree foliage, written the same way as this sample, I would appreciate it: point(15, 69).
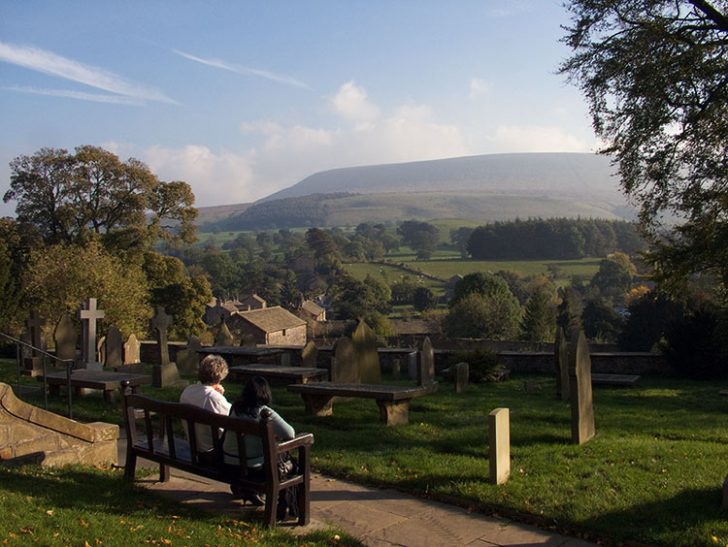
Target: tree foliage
point(67, 196)
point(539, 317)
point(421, 236)
point(495, 316)
point(655, 75)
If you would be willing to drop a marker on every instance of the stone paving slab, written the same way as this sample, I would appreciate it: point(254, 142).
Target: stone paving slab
point(377, 517)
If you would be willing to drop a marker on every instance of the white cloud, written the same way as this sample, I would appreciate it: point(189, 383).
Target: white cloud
point(478, 88)
point(215, 178)
point(244, 70)
point(50, 63)
point(352, 104)
point(534, 138)
point(78, 95)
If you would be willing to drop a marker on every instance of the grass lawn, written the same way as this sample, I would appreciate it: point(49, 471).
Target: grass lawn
point(653, 474)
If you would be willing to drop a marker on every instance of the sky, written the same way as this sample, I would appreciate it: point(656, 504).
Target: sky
point(243, 98)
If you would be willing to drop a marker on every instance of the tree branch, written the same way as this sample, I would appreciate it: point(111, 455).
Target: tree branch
point(712, 13)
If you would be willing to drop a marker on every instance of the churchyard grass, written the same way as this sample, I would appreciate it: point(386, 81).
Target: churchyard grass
point(85, 506)
point(653, 473)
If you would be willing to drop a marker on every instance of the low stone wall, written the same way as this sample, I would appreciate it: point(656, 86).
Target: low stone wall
point(611, 363)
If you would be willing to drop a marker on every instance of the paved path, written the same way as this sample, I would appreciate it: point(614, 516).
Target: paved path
point(377, 517)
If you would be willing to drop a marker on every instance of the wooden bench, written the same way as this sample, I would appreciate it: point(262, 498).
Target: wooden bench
point(614, 380)
point(107, 381)
point(150, 427)
point(393, 401)
point(289, 375)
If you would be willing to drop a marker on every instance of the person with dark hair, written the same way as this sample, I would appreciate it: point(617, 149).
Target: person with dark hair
point(255, 397)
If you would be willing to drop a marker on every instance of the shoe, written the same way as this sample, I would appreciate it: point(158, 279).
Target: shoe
point(247, 495)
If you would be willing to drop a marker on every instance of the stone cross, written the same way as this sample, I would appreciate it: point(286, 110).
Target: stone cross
point(160, 323)
point(89, 314)
point(580, 384)
point(499, 445)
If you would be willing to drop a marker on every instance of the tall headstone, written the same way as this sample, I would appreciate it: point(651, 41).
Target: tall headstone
point(66, 337)
point(461, 375)
point(366, 354)
point(426, 364)
point(223, 337)
point(413, 359)
point(309, 355)
point(343, 364)
point(188, 359)
point(499, 445)
point(132, 350)
point(582, 407)
point(114, 348)
point(101, 350)
point(165, 373)
point(89, 314)
point(33, 362)
point(561, 364)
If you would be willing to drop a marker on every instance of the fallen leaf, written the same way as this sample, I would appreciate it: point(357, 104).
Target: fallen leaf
point(50, 512)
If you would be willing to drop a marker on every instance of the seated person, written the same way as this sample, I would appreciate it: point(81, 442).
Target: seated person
point(208, 394)
point(255, 397)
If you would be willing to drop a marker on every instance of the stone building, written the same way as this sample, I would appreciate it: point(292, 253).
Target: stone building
point(272, 326)
point(311, 311)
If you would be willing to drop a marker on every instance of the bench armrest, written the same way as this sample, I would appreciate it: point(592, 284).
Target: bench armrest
point(302, 439)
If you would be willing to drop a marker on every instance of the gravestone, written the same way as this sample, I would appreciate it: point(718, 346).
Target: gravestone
point(66, 337)
point(582, 408)
point(114, 348)
point(89, 314)
point(412, 360)
point(247, 340)
point(396, 368)
point(101, 350)
point(309, 355)
point(561, 364)
point(462, 376)
point(343, 364)
point(366, 355)
point(223, 337)
point(132, 350)
point(499, 445)
point(33, 362)
point(165, 373)
point(426, 364)
point(188, 360)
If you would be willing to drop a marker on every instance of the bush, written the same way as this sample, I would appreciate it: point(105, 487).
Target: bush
point(483, 365)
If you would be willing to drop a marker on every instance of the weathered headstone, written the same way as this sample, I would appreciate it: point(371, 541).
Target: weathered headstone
point(426, 364)
point(412, 361)
point(223, 337)
point(114, 348)
point(132, 350)
point(101, 350)
point(309, 355)
point(499, 445)
point(396, 368)
point(165, 373)
point(461, 373)
point(343, 364)
point(89, 314)
point(188, 359)
point(582, 407)
point(366, 355)
point(33, 362)
point(561, 364)
point(66, 337)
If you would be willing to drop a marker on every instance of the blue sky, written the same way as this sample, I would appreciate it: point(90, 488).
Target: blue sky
point(244, 98)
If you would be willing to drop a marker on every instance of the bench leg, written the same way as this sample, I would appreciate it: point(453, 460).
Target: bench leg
point(318, 405)
point(130, 465)
point(163, 472)
point(394, 412)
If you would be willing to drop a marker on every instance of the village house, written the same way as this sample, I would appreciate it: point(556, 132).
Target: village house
point(251, 302)
point(272, 326)
point(311, 311)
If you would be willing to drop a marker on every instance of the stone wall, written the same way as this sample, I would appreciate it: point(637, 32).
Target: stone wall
point(602, 362)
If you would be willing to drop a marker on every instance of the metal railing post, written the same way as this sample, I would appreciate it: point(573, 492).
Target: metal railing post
point(69, 364)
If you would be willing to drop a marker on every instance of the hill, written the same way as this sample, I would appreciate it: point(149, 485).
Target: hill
point(480, 188)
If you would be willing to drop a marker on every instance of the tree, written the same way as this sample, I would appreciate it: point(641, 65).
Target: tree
point(614, 277)
point(655, 75)
point(421, 236)
point(67, 196)
point(539, 317)
point(16, 242)
point(494, 316)
point(60, 277)
point(601, 321)
point(424, 299)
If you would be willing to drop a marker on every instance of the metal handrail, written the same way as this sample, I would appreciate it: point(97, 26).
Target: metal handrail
point(69, 364)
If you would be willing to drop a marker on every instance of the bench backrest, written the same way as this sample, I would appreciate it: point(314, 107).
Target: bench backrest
point(157, 432)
